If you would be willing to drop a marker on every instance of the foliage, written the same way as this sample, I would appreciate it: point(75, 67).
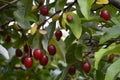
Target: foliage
point(90, 38)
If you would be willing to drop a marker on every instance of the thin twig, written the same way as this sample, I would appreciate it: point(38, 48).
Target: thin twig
point(65, 9)
point(8, 4)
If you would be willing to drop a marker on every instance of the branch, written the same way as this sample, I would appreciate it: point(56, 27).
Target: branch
point(65, 9)
point(115, 3)
point(8, 4)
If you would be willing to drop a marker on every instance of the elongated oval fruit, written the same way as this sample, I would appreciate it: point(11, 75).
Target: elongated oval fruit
point(51, 49)
point(105, 15)
point(44, 60)
point(69, 17)
point(37, 54)
point(18, 52)
point(86, 66)
point(72, 70)
point(111, 58)
point(28, 62)
point(44, 10)
point(58, 34)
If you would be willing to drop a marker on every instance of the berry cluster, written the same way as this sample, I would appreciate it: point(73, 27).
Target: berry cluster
point(27, 59)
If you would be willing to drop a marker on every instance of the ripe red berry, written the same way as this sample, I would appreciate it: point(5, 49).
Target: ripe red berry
point(58, 34)
point(105, 15)
point(44, 10)
point(51, 49)
point(8, 39)
point(44, 60)
point(18, 52)
point(37, 54)
point(86, 66)
point(28, 62)
point(111, 58)
point(72, 70)
point(22, 59)
point(69, 17)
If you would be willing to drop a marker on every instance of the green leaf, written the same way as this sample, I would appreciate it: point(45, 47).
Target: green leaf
point(115, 20)
point(50, 30)
point(113, 32)
point(113, 70)
point(65, 71)
point(69, 40)
point(31, 17)
point(85, 6)
point(19, 16)
point(112, 49)
point(111, 9)
point(60, 48)
point(99, 75)
point(75, 24)
point(70, 57)
point(92, 25)
point(60, 5)
point(27, 4)
point(78, 52)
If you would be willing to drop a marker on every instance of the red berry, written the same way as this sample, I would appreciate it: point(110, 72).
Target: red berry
point(44, 60)
point(51, 49)
point(105, 15)
point(44, 10)
point(86, 66)
point(69, 17)
point(58, 35)
point(111, 58)
point(23, 58)
point(28, 62)
point(18, 52)
point(37, 54)
point(8, 39)
point(72, 70)
point(26, 48)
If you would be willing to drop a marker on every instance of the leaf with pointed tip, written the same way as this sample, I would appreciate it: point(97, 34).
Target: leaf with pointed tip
point(112, 32)
point(113, 70)
point(19, 16)
point(4, 52)
point(78, 52)
point(60, 4)
point(75, 24)
point(85, 6)
point(112, 49)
